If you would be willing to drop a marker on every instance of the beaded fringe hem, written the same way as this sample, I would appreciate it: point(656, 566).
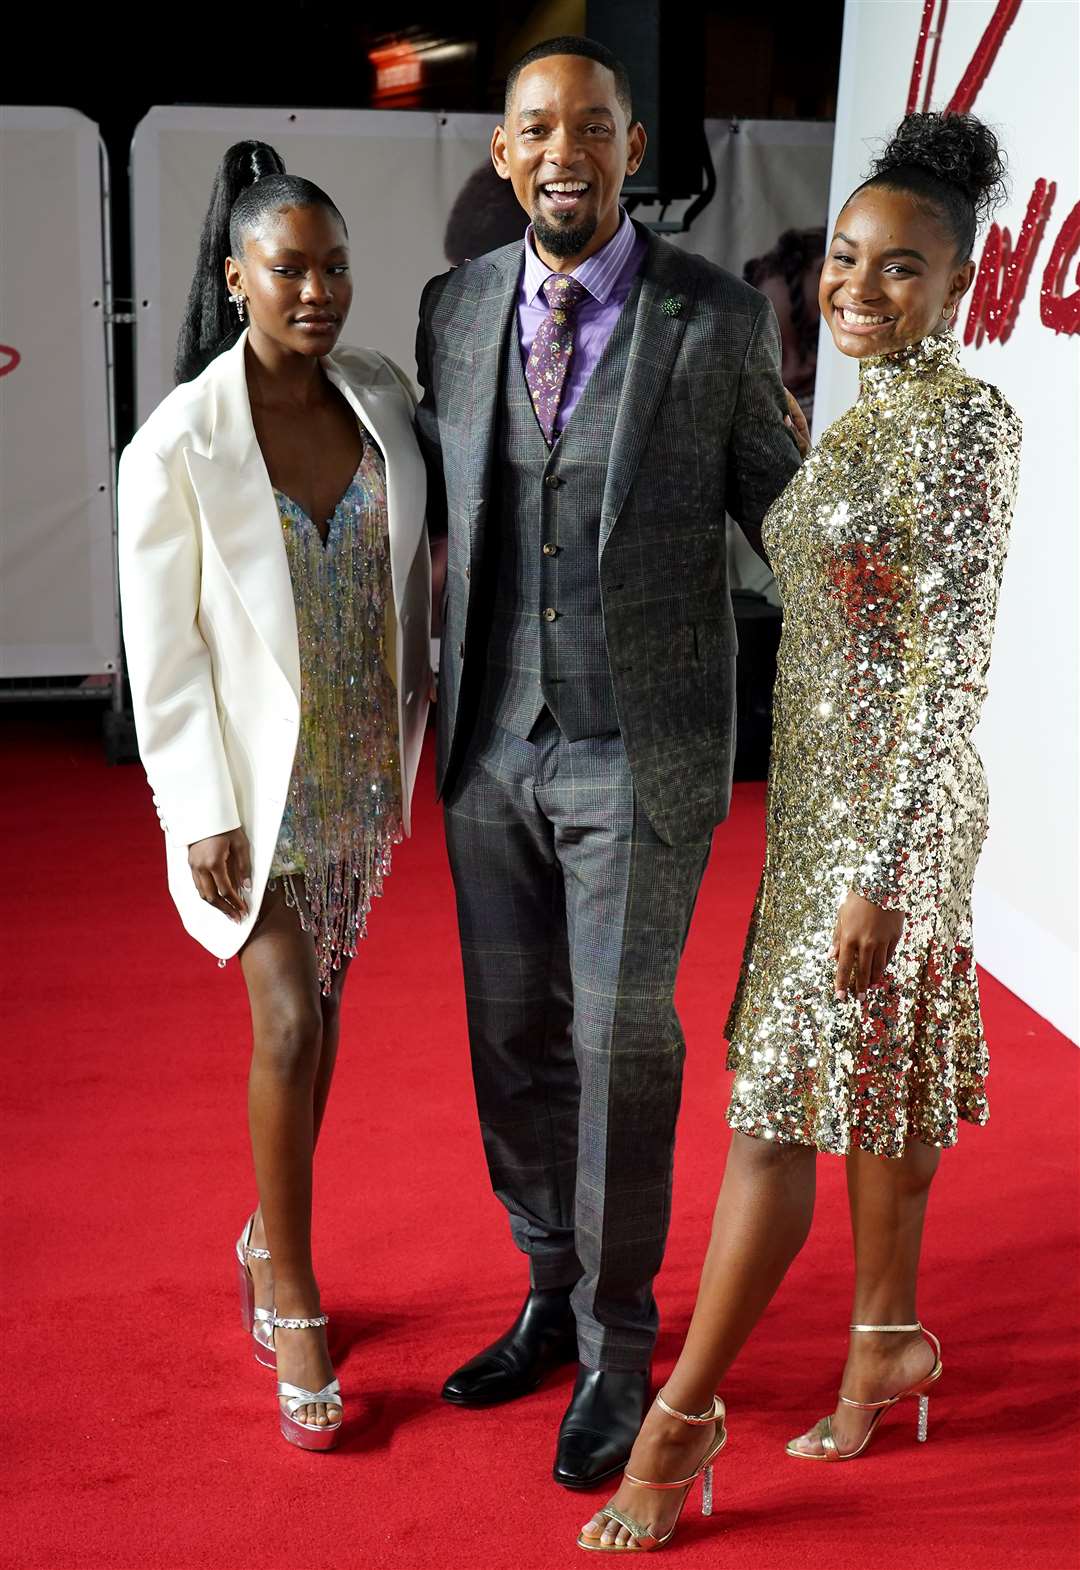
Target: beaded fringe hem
point(333, 903)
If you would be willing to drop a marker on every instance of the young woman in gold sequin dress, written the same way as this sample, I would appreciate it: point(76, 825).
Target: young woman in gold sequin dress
point(855, 1028)
point(276, 589)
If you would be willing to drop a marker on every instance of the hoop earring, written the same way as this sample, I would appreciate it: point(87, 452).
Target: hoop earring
point(947, 315)
point(240, 301)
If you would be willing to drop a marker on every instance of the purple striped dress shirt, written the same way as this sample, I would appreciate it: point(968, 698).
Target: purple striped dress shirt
point(608, 275)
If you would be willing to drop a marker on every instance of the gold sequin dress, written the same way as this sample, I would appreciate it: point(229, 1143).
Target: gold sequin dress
point(343, 811)
point(888, 548)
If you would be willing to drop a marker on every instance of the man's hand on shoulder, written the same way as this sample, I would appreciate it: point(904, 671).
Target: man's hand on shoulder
point(795, 420)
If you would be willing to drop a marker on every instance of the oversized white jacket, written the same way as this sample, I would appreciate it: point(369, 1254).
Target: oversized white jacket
point(209, 618)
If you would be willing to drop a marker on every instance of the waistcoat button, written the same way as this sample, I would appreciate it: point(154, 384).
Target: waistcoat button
point(552, 482)
point(550, 614)
point(551, 550)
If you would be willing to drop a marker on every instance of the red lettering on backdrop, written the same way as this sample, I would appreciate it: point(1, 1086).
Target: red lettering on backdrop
point(13, 358)
point(1062, 312)
point(1004, 272)
point(981, 61)
point(1003, 275)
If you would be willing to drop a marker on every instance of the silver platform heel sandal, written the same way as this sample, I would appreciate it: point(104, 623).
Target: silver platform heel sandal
point(644, 1538)
point(258, 1322)
point(309, 1436)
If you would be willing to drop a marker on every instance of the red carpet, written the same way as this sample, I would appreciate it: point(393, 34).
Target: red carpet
point(140, 1431)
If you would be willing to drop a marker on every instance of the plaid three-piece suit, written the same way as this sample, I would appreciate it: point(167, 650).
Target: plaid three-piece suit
point(585, 734)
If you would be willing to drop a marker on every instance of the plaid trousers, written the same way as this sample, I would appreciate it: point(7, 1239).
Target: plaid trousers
point(573, 916)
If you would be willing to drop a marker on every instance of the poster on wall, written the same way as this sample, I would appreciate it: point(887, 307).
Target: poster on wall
point(1013, 63)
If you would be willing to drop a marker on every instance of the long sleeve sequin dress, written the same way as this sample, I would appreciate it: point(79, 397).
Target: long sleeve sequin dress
point(343, 811)
point(888, 548)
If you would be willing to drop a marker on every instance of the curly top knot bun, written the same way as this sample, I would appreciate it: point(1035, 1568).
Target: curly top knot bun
point(957, 148)
point(952, 163)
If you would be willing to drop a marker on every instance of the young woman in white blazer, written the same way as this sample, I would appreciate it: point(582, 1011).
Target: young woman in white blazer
point(276, 589)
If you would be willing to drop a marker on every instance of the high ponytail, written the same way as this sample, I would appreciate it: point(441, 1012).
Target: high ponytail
point(251, 181)
point(210, 323)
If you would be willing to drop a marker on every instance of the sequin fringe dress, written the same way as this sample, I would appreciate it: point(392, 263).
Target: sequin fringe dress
point(343, 811)
point(888, 547)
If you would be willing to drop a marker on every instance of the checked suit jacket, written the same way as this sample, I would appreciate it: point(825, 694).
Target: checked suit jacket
point(699, 432)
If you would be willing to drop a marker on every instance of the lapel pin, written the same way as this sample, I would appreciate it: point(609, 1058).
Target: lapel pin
point(672, 305)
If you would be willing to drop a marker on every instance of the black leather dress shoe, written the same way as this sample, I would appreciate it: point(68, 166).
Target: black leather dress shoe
point(600, 1426)
point(542, 1338)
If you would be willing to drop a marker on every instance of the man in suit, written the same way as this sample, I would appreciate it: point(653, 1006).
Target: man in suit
point(594, 400)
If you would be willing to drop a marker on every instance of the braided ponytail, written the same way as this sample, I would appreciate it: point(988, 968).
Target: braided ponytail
point(210, 324)
point(250, 182)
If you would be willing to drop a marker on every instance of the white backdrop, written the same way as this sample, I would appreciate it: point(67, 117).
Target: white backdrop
point(1027, 57)
point(395, 176)
point(58, 605)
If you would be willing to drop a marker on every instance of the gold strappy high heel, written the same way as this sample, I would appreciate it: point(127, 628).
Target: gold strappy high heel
point(823, 1430)
point(644, 1539)
point(258, 1322)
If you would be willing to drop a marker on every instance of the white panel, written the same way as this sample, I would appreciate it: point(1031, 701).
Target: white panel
point(58, 609)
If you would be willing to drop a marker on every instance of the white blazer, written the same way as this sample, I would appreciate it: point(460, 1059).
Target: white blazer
point(210, 623)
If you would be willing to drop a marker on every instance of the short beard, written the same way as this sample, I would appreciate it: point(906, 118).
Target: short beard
point(563, 240)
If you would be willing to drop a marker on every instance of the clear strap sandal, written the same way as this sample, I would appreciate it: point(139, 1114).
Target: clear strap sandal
point(258, 1322)
point(823, 1430)
point(644, 1538)
point(308, 1436)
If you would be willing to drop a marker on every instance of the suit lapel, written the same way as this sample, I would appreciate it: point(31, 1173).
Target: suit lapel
point(664, 303)
point(493, 324)
point(237, 504)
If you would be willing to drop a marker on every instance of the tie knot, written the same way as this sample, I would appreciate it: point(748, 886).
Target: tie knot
point(562, 292)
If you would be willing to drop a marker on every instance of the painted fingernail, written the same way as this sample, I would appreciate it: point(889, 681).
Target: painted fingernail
point(247, 885)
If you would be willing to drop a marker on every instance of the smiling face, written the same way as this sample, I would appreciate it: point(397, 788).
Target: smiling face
point(890, 273)
point(566, 148)
point(294, 271)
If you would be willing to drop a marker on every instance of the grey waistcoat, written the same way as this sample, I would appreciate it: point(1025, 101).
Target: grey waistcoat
point(546, 642)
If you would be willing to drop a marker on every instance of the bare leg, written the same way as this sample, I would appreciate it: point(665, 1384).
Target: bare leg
point(762, 1218)
point(888, 1200)
point(287, 1090)
point(262, 1271)
point(331, 1035)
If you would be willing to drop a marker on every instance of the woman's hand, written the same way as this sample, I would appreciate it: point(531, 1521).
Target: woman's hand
point(795, 420)
point(864, 941)
point(221, 868)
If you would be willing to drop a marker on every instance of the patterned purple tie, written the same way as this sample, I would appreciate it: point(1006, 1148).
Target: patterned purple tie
point(549, 358)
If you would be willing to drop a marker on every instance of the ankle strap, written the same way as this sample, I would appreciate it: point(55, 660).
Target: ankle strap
point(245, 1241)
point(876, 1328)
point(715, 1414)
point(301, 1324)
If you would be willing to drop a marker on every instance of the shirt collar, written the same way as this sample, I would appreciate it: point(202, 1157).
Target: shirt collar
point(599, 272)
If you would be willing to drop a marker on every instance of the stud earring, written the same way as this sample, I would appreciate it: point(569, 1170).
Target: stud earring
point(240, 301)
